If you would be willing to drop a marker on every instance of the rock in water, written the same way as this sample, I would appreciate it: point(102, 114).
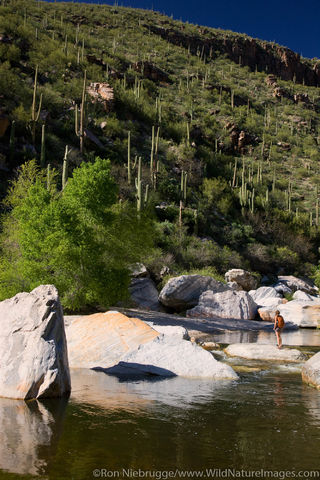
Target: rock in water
point(100, 340)
point(302, 314)
point(34, 360)
point(183, 292)
point(311, 371)
point(230, 304)
point(258, 351)
point(167, 356)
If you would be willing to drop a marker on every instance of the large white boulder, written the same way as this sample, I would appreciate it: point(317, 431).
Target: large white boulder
point(265, 294)
point(233, 304)
point(311, 371)
point(183, 292)
point(258, 351)
point(295, 283)
point(34, 360)
point(144, 294)
point(100, 340)
point(167, 356)
point(302, 314)
point(243, 278)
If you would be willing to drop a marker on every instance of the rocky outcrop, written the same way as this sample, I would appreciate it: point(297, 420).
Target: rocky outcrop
point(303, 296)
point(34, 360)
point(245, 279)
point(144, 294)
point(151, 71)
point(246, 51)
point(311, 371)
point(258, 351)
point(172, 330)
point(267, 314)
point(184, 292)
point(302, 314)
point(138, 270)
point(100, 340)
point(102, 93)
point(167, 356)
point(295, 283)
point(229, 304)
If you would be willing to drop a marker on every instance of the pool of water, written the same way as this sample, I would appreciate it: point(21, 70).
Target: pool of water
point(299, 337)
point(268, 419)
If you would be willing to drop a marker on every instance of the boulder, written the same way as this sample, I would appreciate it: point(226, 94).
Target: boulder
point(144, 294)
point(295, 283)
point(267, 313)
point(34, 360)
point(138, 270)
point(311, 371)
point(263, 295)
point(282, 288)
point(167, 356)
point(258, 351)
point(183, 292)
point(171, 330)
point(303, 296)
point(101, 339)
point(302, 314)
point(229, 304)
point(245, 279)
point(234, 286)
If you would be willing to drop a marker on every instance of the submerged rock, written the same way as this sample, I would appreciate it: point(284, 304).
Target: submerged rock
point(311, 371)
point(100, 340)
point(258, 351)
point(243, 278)
point(183, 292)
point(167, 356)
point(34, 359)
point(230, 304)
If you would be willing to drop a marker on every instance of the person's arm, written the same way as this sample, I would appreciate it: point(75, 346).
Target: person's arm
point(275, 322)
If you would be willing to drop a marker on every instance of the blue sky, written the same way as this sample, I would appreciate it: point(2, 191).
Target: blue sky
point(294, 23)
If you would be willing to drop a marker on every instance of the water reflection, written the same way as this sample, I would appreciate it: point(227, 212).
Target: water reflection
point(28, 431)
point(113, 393)
point(300, 337)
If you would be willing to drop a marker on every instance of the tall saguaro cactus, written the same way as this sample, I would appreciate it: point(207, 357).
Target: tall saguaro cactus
point(65, 168)
point(35, 113)
point(79, 125)
point(43, 146)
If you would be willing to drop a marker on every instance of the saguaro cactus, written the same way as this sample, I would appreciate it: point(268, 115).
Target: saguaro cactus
point(43, 146)
point(79, 127)
point(35, 114)
point(65, 168)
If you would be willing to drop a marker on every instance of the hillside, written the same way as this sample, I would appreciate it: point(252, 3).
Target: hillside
point(227, 128)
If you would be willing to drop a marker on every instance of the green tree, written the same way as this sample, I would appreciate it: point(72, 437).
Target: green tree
point(81, 240)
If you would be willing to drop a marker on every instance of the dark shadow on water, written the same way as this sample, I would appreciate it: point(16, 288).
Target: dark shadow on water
point(130, 369)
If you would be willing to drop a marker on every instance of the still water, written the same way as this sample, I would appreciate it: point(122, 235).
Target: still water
point(266, 420)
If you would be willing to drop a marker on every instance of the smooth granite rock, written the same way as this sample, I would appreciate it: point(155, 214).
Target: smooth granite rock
point(167, 356)
point(243, 278)
point(144, 294)
point(101, 339)
point(304, 297)
point(138, 270)
point(311, 371)
point(172, 330)
point(258, 351)
point(34, 359)
point(263, 295)
point(302, 314)
point(229, 304)
point(183, 292)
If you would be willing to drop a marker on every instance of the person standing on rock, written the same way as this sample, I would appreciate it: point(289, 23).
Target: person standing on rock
point(278, 327)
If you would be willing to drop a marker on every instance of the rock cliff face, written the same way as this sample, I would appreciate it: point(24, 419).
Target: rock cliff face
point(246, 51)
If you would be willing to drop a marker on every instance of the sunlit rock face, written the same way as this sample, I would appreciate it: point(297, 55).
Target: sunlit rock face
point(34, 359)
